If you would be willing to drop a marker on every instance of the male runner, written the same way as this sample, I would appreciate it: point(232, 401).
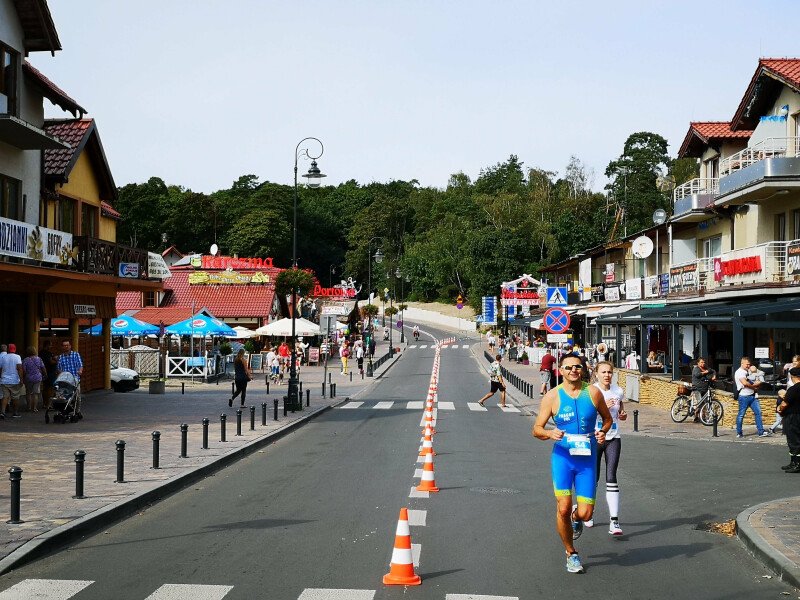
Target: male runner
point(574, 406)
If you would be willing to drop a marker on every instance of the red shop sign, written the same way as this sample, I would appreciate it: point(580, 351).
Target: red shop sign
point(334, 292)
point(741, 266)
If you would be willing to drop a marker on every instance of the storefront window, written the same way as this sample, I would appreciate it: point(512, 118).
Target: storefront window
point(8, 80)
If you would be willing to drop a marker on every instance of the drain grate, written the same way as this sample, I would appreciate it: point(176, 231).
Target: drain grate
point(493, 490)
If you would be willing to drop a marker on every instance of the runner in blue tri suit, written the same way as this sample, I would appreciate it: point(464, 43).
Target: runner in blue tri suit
point(574, 406)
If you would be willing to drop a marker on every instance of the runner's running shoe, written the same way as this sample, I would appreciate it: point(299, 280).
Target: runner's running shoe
point(577, 526)
point(614, 528)
point(574, 564)
point(589, 523)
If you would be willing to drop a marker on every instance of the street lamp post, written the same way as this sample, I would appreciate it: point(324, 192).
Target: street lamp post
point(378, 259)
point(313, 178)
point(391, 344)
point(399, 274)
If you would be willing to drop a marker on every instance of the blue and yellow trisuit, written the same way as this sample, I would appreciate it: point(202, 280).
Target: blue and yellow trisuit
point(575, 416)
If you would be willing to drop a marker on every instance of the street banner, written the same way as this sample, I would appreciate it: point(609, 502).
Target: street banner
point(26, 240)
point(489, 304)
point(793, 258)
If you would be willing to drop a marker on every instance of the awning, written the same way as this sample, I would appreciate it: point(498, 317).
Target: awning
point(703, 313)
point(614, 310)
point(21, 134)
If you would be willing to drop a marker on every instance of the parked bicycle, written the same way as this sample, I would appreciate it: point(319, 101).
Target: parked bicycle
point(708, 409)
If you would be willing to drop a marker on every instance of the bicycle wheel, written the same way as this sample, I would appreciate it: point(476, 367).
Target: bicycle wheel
point(680, 409)
point(711, 411)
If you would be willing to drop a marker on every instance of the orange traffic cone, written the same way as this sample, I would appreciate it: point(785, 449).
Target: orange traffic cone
point(401, 569)
point(427, 483)
point(427, 443)
point(429, 420)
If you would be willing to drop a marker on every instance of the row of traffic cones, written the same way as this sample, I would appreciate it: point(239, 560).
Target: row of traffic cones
point(401, 569)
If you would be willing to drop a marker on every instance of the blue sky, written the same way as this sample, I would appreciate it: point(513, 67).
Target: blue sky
point(199, 92)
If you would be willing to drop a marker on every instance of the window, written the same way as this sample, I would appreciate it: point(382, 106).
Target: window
point(89, 216)
point(712, 247)
point(66, 214)
point(796, 225)
point(11, 199)
point(712, 168)
point(149, 299)
point(780, 227)
point(8, 80)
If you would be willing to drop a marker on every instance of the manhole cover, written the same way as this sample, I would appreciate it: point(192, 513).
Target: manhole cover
point(493, 490)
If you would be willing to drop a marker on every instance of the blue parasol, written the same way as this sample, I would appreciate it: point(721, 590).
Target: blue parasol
point(125, 325)
point(201, 325)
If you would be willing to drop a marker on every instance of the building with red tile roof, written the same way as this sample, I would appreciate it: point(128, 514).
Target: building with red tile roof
point(702, 134)
point(771, 75)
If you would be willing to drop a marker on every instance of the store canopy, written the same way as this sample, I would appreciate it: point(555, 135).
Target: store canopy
point(243, 333)
point(125, 325)
point(283, 328)
point(201, 325)
point(702, 313)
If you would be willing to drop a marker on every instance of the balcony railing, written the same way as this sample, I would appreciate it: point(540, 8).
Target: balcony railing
point(698, 185)
point(766, 148)
point(104, 258)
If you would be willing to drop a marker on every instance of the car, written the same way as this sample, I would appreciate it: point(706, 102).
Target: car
point(124, 380)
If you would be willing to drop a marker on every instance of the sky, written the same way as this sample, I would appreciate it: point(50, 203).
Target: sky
point(200, 92)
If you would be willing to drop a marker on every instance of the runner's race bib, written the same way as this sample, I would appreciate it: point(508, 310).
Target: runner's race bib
point(579, 445)
point(600, 424)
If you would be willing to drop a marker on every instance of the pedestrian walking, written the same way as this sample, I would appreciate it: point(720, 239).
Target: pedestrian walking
point(344, 354)
point(611, 448)
point(495, 382)
point(747, 399)
point(34, 373)
point(790, 411)
point(547, 372)
point(70, 360)
point(51, 364)
point(241, 375)
point(360, 357)
point(11, 376)
point(778, 417)
point(491, 341)
point(574, 406)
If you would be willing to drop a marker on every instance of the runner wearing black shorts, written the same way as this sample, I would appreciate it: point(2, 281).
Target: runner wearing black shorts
point(496, 382)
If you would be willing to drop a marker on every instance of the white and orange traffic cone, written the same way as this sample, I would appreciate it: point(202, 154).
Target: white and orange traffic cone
point(428, 482)
point(401, 569)
point(427, 443)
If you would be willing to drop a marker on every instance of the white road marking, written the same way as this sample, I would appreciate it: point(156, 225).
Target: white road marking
point(415, 552)
point(412, 346)
point(465, 346)
point(413, 494)
point(352, 405)
point(45, 589)
point(446, 405)
point(477, 597)
point(331, 594)
point(476, 406)
point(187, 591)
point(417, 473)
point(423, 346)
point(509, 409)
point(415, 405)
point(417, 518)
point(383, 405)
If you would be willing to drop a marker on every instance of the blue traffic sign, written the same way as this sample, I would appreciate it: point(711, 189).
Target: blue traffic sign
point(557, 296)
point(555, 320)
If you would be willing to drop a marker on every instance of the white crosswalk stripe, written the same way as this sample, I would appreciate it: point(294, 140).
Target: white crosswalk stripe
point(412, 346)
point(417, 473)
point(446, 405)
point(383, 405)
point(415, 405)
point(45, 589)
point(477, 597)
point(423, 346)
point(352, 405)
point(476, 407)
point(187, 591)
point(331, 594)
point(509, 409)
point(415, 494)
point(465, 346)
point(417, 518)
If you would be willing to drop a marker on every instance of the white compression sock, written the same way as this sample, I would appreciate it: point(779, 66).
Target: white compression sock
point(612, 498)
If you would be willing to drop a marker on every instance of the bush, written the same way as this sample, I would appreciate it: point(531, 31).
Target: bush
point(225, 349)
point(249, 346)
point(524, 356)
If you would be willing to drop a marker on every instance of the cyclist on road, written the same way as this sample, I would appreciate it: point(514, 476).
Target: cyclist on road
point(701, 381)
point(574, 407)
point(612, 447)
point(416, 333)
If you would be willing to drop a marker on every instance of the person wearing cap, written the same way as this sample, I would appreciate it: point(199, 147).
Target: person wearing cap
point(11, 374)
point(789, 409)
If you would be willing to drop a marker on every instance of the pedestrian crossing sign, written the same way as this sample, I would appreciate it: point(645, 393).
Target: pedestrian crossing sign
point(557, 296)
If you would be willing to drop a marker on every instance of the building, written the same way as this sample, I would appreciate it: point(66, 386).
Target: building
point(60, 265)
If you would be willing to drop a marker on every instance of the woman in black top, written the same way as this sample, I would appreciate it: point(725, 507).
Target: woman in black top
point(242, 375)
point(789, 408)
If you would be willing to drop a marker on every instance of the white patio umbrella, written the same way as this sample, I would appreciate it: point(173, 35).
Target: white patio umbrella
point(243, 332)
point(283, 328)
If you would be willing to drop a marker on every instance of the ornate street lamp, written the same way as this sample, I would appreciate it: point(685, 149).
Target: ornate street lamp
point(313, 180)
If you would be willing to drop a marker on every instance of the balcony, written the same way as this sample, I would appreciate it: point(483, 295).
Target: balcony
point(105, 258)
point(694, 197)
point(758, 171)
point(24, 136)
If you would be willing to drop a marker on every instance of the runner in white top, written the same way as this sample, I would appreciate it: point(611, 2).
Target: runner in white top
point(612, 446)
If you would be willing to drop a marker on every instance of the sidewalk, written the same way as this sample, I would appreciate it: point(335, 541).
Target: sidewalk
point(770, 531)
point(46, 452)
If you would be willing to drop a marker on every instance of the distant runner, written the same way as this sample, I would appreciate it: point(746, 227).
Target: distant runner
point(574, 406)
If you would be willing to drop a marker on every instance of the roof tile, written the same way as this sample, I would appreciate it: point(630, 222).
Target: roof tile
point(72, 132)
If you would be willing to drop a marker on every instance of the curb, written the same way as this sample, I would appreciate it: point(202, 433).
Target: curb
point(775, 560)
point(45, 543)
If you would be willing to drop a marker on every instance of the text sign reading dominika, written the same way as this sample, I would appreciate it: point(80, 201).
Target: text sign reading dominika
point(557, 296)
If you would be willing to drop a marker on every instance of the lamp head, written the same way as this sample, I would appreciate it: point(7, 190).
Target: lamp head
point(378, 256)
point(314, 175)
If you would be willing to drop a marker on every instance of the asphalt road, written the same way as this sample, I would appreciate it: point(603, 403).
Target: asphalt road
point(318, 510)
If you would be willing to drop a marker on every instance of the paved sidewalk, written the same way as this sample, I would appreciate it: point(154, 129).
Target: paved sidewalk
point(770, 531)
point(46, 452)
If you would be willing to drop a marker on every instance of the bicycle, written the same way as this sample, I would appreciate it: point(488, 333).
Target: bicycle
point(708, 409)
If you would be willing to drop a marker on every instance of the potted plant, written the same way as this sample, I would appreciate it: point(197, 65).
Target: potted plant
point(524, 357)
point(157, 386)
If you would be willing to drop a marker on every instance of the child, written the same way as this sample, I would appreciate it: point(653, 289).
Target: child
point(755, 376)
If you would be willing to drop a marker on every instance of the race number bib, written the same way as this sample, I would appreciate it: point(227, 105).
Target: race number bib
point(579, 445)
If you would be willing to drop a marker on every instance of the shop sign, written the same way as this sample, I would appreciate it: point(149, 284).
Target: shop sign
point(651, 286)
point(227, 278)
point(611, 293)
point(609, 274)
point(156, 267)
point(334, 292)
point(84, 310)
point(633, 289)
point(597, 293)
point(489, 310)
point(129, 270)
point(335, 309)
point(741, 266)
point(25, 240)
point(230, 262)
point(683, 277)
point(663, 281)
point(793, 258)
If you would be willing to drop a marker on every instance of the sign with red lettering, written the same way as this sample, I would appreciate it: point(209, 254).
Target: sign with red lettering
point(230, 262)
point(333, 292)
point(741, 266)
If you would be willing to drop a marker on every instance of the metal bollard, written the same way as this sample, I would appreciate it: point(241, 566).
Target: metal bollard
point(266, 378)
point(636, 420)
point(301, 388)
point(80, 460)
point(285, 409)
point(275, 405)
point(239, 422)
point(351, 376)
point(308, 397)
point(267, 385)
point(120, 444)
point(205, 433)
point(183, 388)
point(362, 374)
point(333, 390)
point(263, 413)
point(222, 420)
point(714, 432)
point(15, 477)
point(323, 389)
point(156, 453)
point(233, 389)
point(252, 418)
point(217, 382)
point(329, 378)
point(184, 439)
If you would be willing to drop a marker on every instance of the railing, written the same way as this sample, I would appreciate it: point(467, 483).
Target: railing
point(698, 185)
point(207, 366)
point(766, 148)
point(144, 362)
point(771, 260)
point(103, 258)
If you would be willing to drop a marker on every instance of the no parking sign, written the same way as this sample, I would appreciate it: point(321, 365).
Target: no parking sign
point(555, 320)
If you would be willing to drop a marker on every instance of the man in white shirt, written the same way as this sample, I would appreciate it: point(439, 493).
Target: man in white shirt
point(746, 390)
point(10, 378)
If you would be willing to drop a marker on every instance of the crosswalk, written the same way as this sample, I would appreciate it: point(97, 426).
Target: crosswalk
point(445, 347)
point(64, 589)
point(418, 405)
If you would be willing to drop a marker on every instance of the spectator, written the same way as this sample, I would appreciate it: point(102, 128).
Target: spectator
point(747, 399)
point(790, 410)
point(51, 364)
point(34, 373)
point(11, 375)
point(547, 374)
point(701, 380)
point(70, 361)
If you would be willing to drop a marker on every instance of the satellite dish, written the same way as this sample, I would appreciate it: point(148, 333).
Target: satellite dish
point(642, 246)
point(665, 183)
point(659, 216)
point(214, 249)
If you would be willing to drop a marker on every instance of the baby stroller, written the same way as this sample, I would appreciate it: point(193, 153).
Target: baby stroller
point(66, 402)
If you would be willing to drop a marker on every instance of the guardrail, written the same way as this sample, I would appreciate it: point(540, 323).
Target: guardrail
point(525, 387)
point(698, 185)
point(767, 148)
